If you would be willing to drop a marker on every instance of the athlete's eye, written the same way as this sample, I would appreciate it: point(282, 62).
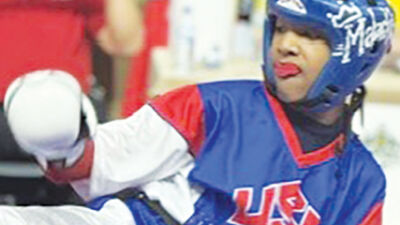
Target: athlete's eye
point(310, 34)
point(307, 33)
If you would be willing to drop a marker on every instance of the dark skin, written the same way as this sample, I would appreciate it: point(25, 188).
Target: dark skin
point(309, 51)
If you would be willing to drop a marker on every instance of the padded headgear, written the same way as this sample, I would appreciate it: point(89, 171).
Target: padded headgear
point(359, 33)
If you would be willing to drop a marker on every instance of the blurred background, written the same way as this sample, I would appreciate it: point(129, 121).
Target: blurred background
point(191, 41)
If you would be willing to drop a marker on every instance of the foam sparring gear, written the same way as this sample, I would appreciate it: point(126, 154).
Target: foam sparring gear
point(359, 33)
point(49, 115)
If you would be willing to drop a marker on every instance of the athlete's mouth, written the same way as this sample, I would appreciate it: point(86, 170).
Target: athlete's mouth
point(286, 70)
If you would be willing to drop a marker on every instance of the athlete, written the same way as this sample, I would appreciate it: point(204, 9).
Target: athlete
point(234, 152)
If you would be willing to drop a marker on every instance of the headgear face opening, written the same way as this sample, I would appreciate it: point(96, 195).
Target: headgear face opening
point(359, 33)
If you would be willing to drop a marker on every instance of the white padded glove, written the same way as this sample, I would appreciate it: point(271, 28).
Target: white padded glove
point(44, 110)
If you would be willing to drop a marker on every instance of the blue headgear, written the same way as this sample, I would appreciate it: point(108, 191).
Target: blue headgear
point(359, 33)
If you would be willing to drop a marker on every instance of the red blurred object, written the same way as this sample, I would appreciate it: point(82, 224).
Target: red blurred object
point(46, 34)
point(156, 34)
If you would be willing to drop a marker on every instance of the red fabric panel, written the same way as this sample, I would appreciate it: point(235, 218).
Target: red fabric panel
point(45, 36)
point(155, 34)
point(374, 217)
point(96, 17)
point(183, 109)
point(80, 170)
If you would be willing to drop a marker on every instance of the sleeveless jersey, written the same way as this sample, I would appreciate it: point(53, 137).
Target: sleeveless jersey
point(244, 153)
point(246, 148)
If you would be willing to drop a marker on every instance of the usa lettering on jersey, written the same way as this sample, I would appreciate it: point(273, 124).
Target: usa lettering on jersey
point(281, 204)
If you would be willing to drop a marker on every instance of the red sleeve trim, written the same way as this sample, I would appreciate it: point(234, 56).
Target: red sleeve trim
point(374, 217)
point(80, 170)
point(184, 110)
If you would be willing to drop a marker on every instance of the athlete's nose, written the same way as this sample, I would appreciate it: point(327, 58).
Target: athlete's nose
point(288, 44)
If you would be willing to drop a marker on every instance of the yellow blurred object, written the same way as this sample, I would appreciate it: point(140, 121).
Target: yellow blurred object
point(260, 5)
point(394, 3)
point(396, 6)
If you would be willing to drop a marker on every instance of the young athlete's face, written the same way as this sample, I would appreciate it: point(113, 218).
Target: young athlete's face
point(299, 56)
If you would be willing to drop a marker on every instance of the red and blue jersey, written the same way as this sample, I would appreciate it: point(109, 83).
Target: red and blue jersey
point(235, 141)
point(245, 146)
